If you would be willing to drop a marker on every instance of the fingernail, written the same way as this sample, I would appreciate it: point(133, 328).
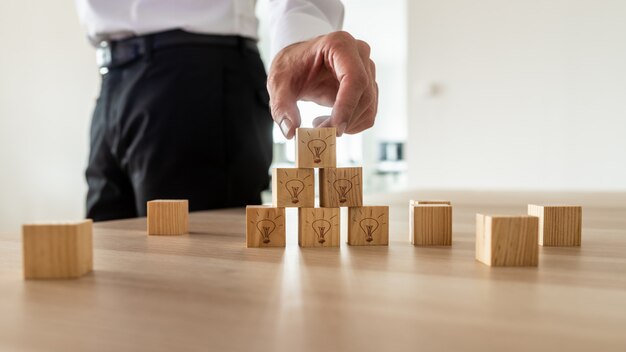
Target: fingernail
point(341, 128)
point(285, 127)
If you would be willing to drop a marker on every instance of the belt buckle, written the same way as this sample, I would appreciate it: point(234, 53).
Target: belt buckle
point(104, 55)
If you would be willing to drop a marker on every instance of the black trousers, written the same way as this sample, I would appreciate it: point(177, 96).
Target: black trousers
point(186, 122)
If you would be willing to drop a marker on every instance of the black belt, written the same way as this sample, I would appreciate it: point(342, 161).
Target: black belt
point(120, 52)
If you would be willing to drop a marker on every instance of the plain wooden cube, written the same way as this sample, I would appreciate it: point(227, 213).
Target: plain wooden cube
point(57, 251)
point(503, 240)
point(265, 226)
point(318, 227)
point(315, 147)
point(293, 187)
point(168, 217)
point(368, 226)
point(431, 224)
point(341, 187)
point(559, 225)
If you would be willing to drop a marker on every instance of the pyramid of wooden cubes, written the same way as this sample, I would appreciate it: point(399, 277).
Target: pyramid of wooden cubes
point(338, 187)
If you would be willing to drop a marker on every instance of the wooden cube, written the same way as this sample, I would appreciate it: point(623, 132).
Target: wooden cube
point(57, 251)
point(168, 217)
point(265, 226)
point(315, 147)
point(507, 240)
point(341, 187)
point(559, 225)
point(368, 226)
point(293, 188)
point(318, 227)
point(431, 225)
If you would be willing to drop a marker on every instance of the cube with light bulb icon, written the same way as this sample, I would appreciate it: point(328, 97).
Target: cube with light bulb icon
point(318, 227)
point(316, 147)
point(265, 226)
point(368, 226)
point(341, 187)
point(293, 187)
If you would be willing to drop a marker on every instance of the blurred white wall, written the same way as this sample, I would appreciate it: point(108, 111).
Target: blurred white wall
point(48, 85)
point(517, 94)
point(382, 24)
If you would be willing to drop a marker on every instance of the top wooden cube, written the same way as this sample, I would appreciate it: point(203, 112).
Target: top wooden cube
point(315, 147)
point(559, 225)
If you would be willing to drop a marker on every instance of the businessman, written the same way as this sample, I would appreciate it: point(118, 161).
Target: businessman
point(185, 108)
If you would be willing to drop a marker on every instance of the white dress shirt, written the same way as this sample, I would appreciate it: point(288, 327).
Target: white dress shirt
point(291, 21)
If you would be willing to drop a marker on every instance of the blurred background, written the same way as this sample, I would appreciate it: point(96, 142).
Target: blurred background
point(479, 95)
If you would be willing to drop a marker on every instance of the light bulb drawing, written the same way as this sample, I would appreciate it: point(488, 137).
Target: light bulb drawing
point(294, 187)
point(342, 186)
point(321, 228)
point(266, 223)
point(369, 226)
point(266, 227)
point(317, 147)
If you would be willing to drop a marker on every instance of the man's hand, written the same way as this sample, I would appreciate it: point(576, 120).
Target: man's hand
point(331, 70)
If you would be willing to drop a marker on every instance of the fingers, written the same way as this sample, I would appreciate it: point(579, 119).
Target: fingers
point(364, 121)
point(345, 60)
point(283, 104)
point(349, 114)
point(334, 69)
point(320, 120)
point(365, 112)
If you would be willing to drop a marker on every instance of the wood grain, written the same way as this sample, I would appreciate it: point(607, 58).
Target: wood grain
point(559, 225)
point(431, 224)
point(318, 227)
point(316, 147)
point(368, 226)
point(57, 251)
point(265, 226)
point(293, 187)
point(207, 292)
point(507, 240)
point(168, 217)
point(341, 187)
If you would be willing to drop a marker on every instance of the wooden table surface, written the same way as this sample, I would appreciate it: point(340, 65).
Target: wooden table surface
point(207, 292)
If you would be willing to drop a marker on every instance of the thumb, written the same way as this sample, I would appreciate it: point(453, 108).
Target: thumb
point(285, 111)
